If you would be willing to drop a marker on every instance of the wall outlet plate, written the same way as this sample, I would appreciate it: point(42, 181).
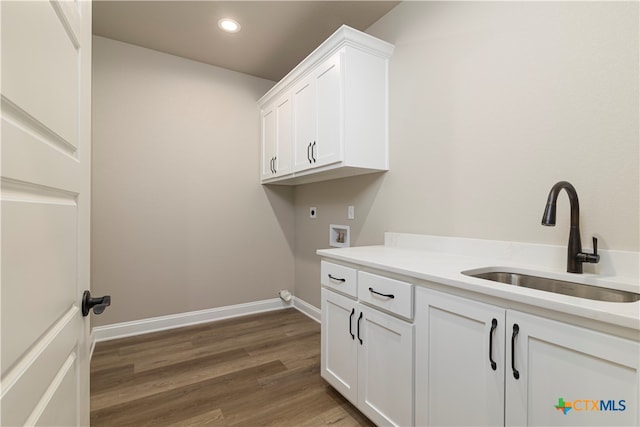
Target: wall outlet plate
point(313, 212)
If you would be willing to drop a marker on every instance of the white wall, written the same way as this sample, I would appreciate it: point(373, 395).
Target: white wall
point(491, 103)
point(180, 222)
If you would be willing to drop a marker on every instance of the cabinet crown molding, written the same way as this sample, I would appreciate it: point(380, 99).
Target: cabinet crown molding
point(343, 36)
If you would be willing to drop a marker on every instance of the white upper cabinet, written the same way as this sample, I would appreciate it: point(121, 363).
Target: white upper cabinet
point(338, 113)
point(277, 130)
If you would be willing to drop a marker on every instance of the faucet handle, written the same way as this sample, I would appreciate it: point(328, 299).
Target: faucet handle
point(593, 258)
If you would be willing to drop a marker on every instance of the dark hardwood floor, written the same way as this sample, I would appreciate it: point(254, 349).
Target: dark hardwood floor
point(256, 370)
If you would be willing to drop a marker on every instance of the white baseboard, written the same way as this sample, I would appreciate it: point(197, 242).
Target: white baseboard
point(155, 324)
point(306, 308)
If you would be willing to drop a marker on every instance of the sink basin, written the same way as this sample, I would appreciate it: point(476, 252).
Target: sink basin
point(557, 286)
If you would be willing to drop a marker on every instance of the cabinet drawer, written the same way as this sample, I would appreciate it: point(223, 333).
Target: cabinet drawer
point(391, 295)
point(338, 277)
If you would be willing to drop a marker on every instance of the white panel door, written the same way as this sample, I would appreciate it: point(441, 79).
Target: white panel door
point(385, 368)
point(459, 358)
point(45, 203)
point(564, 375)
point(339, 351)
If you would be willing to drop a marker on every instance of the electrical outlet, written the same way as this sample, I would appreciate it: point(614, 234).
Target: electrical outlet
point(351, 212)
point(313, 212)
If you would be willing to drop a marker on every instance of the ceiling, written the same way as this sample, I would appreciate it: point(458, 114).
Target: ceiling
point(275, 35)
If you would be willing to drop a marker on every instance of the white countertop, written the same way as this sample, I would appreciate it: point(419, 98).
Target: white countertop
point(442, 260)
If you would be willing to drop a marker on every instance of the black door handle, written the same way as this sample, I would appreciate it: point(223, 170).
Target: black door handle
point(336, 278)
point(494, 325)
point(353, 311)
point(312, 147)
point(98, 304)
point(384, 295)
point(516, 329)
point(308, 155)
point(359, 319)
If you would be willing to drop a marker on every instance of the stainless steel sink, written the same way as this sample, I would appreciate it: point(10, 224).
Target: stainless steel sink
point(557, 286)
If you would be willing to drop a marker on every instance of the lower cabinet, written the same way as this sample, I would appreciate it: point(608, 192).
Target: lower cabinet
point(367, 356)
point(479, 364)
point(560, 374)
point(459, 361)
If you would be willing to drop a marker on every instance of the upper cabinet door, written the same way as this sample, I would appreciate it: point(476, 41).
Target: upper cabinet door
point(317, 116)
point(284, 131)
point(304, 116)
point(276, 133)
point(269, 149)
point(562, 375)
point(329, 110)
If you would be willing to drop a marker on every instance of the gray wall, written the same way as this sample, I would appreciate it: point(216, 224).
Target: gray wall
point(180, 222)
point(490, 105)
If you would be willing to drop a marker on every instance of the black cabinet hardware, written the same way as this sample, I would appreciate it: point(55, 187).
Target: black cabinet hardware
point(313, 146)
point(309, 155)
point(336, 278)
point(516, 329)
point(384, 295)
point(353, 311)
point(359, 319)
point(494, 325)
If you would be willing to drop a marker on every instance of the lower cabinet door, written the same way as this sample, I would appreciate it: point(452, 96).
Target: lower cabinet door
point(385, 368)
point(460, 361)
point(566, 375)
point(339, 351)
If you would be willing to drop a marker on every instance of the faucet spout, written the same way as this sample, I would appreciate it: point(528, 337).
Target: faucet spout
point(575, 256)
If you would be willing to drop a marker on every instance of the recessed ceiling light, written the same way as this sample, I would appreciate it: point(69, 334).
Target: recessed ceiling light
point(229, 25)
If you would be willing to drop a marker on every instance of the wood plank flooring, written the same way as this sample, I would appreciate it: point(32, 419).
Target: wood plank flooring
point(258, 370)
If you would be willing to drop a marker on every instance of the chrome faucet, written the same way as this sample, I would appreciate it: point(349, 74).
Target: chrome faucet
point(575, 256)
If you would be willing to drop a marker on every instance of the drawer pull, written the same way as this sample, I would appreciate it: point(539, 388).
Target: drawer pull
point(384, 295)
point(516, 329)
point(494, 325)
point(336, 279)
point(353, 311)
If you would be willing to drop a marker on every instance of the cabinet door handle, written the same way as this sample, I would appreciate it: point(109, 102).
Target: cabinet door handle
point(353, 311)
point(275, 158)
point(516, 329)
point(308, 150)
point(384, 295)
point(359, 319)
point(313, 146)
point(494, 325)
point(337, 279)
